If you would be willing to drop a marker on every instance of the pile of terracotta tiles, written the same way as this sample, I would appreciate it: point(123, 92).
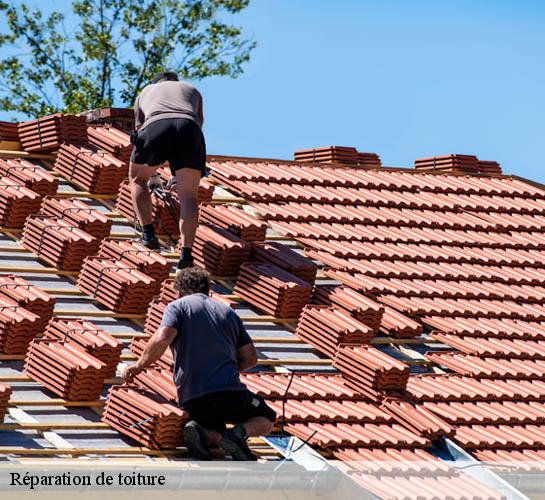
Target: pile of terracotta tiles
point(50, 132)
point(219, 251)
point(159, 381)
point(338, 154)
point(30, 175)
point(326, 328)
point(8, 132)
point(65, 369)
point(57, 242)
point(117, 285)
point(489, 167)
point(272, 290)
point(357, 305)
point(283, 256)
point(134, 253)
point(112, 141)
point(31, 297)
point(455, 163)
point(5, 394)
point(154, 314)
point(145, 417)
point(78, 214)
point(17, 202)
point(90, 168)
point(88, 337)
point(137, 346)
point(235, 220)
point(370, 370)
point(18, 326)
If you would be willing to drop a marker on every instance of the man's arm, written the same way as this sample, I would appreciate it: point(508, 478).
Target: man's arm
point(246, 357)
point(200, 114)
point(138, 115)
point(155, 348)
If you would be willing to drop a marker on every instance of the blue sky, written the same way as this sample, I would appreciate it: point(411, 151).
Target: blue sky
point(403, 78)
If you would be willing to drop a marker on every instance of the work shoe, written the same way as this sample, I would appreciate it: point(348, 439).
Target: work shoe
point(151, 243)
point(195, 440)
point(182, 264)
point(234, 443)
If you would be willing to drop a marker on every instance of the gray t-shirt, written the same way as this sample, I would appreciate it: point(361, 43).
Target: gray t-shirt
point(204, 350)
point(168, 99)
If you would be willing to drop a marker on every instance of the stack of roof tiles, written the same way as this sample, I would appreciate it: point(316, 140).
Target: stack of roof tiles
point(159, 381)
point(30, 175)
point(5, 394)
point(31, 297)
point(58, 242)
point(88, 337)
point(18, 326)
point(65, 369)
point(145, 417)
point(154, 314)
point(78, 214)
point(283, 256)
point(338, 154)
point(235, 220)
point(272, 289)
point(117, 285)
point(456, 163)
point(112, 141)
point(219, 251)
point(8, 132)
point(370, 370)
point(50, 132)
point(327, 328)
point(17, 202)
point(90, 168)
point(134, 253)
point(137, 346)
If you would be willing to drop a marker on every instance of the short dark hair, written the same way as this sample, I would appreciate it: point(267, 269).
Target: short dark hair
point(165, 76)
point(192, 280)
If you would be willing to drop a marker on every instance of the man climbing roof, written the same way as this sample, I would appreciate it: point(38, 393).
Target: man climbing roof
point(168, 120)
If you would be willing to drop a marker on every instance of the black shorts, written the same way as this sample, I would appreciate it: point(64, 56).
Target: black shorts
point(179, 141)
point(215, 410)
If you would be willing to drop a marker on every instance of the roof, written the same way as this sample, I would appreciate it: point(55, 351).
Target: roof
point(391, 307)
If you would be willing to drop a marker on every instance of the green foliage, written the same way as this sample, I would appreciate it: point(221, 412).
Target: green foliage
point(112, 50)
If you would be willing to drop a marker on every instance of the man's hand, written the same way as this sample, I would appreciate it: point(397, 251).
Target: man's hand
point(130, 372)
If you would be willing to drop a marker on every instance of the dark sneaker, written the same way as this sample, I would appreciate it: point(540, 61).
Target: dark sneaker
point(195, 440)
point(182, 264)
point(234, 443)
point(151, 243)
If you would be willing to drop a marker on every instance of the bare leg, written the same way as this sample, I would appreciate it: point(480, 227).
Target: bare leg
point(187, 185)
point(139, 176)
point(258, 426)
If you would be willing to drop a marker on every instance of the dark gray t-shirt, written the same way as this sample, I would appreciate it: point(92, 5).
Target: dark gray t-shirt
point(204, 350)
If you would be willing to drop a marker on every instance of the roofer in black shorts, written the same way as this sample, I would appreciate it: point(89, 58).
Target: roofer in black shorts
point(168, 120)
point(210, 347)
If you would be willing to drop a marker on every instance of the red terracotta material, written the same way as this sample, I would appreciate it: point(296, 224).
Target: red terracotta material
point(166, 361)
point(455, 163)
point(158, 381)
point(500, 436)
point(49, 132)
point(29, 296)
point(397, 325)
point(65, 369)
point(272, 290)
point(58, 243)
point(356, 435)
point(154, 315)
point(327, 328)
point(283, 256)
point(111, 140)
point(30, 175)
point(78, 214)
point(18, 326)
point(528, 460)
point(5, 394)
point(90, 168)
point(145, 417)
point(134, 253)
point(219, 251)
point(117, 285)
point(370, 370)
point(338, 154)
point(17, 202)
point(235, 220)
point(8, 131)
point(89, 337)
point(362, 308)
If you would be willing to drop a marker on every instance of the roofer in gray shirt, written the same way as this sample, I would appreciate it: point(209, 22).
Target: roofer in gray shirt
point(168, 120)
point(210, 347)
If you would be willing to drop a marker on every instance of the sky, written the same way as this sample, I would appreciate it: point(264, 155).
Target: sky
point(401, 78)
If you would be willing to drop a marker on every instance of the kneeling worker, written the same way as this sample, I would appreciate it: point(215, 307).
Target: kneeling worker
point(168, 120)
point(210, 347)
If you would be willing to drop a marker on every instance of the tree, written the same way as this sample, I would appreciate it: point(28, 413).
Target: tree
point(105, 51)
